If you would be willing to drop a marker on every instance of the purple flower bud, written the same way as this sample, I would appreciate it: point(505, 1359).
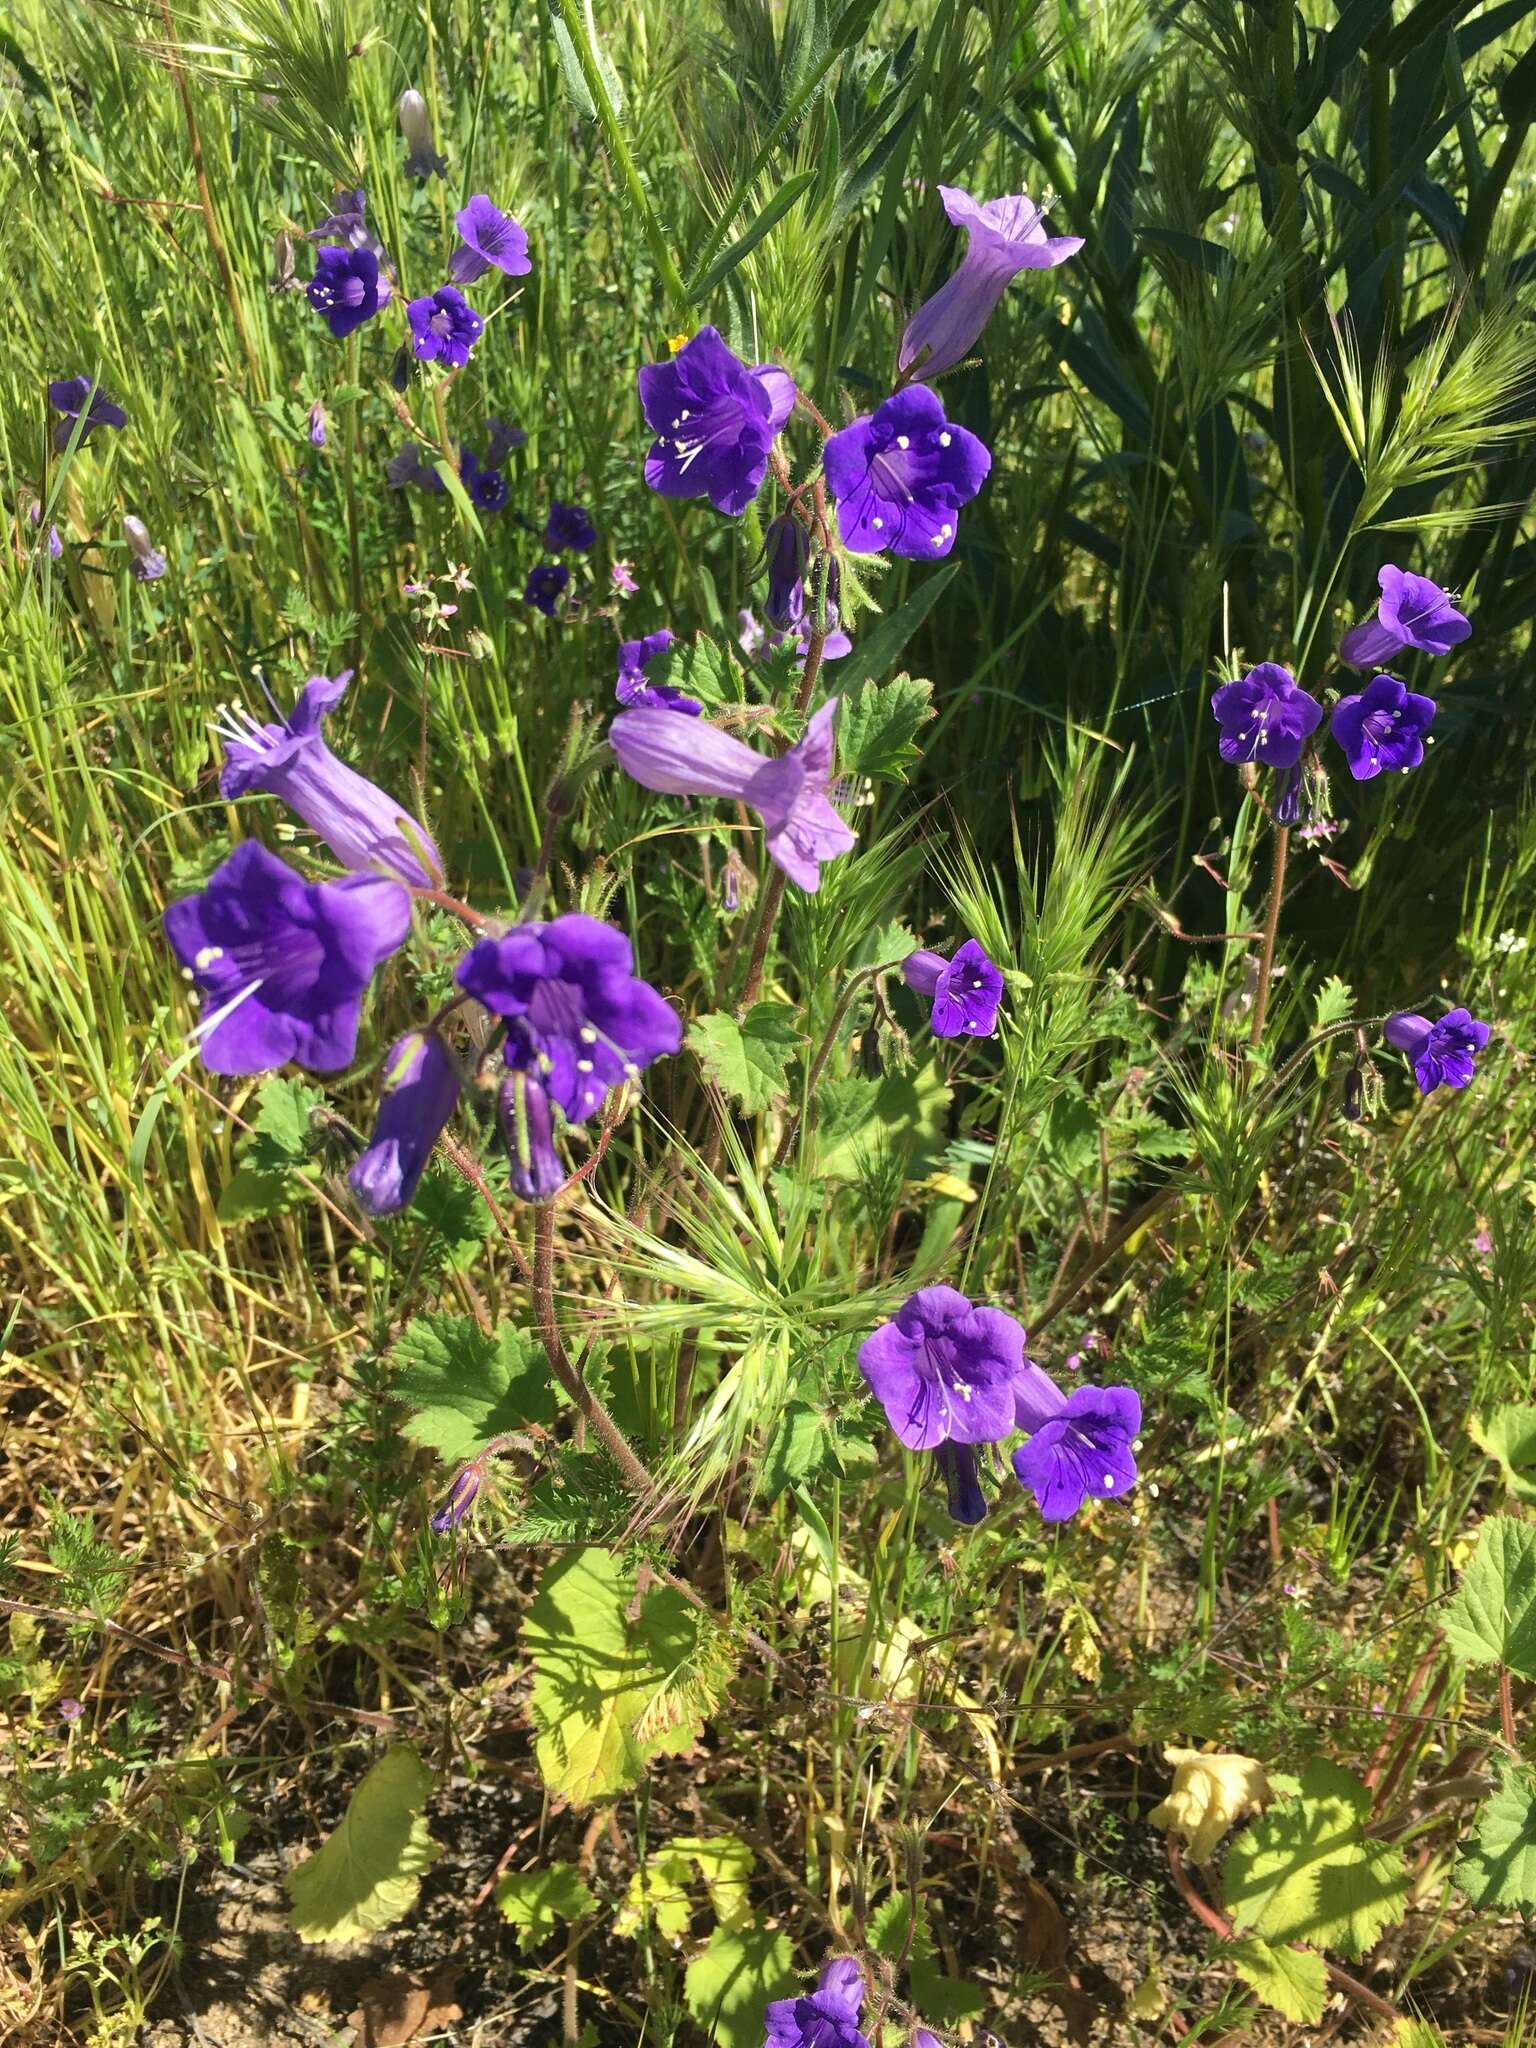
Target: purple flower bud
point(461, 1498)
point(967, 1502)
point(420, 1092)
point(537, 1173)
point(730, 883)
point(148, 564)
point(786, 550)
point(282, 278)
point(422, 158)
point(1004, 236)
point(317, 425)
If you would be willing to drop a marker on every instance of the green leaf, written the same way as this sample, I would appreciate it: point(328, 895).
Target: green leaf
point(367, 1873)
point(698, 668)
point(729, 1984)
point(658, 1894)
point(748, 1061)
point(1491, 1617)
point(1293, 1981)
point(612, 1686)
point(888, 1926)
point(538, 1902)
point(1509, 1435)
point(949, 2000)
point(876, 727)
point(726, 1865)
point(1335, 1000)
point(1306, 1871)
point(876, 652)
point(800, 1447)
point(768, 219)
point(256, 1191)
point(465, 1388)
point(285, 1121)
point(905, 1122)
point(1499, 1868)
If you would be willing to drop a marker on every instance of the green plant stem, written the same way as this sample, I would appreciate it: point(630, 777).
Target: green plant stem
point(1484, 202)
point(1271, 927)
point(824, 1051)
point(582, 35)
point(349, 480)
point(773, 888)
point(634, 1474)
point(1295, 366)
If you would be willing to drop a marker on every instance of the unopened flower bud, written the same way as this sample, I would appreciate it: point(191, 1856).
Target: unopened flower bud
point(148, 563)
point(422, 158)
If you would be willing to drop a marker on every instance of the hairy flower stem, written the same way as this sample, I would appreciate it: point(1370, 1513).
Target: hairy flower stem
point(824, 1051)
point(459, 909)
point(632, 1472)
point(773, 891)
point(1271, 927)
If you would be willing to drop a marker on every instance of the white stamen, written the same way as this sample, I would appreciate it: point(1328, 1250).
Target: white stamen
point(1109, 1482)
point(877, 524)
point(224, 1010)
point(903, 441)
point(205, 957)
point(945, 439)
point(587, 1035)
point(583, 1066)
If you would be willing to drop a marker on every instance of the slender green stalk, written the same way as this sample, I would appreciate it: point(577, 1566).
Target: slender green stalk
point(1271, 928)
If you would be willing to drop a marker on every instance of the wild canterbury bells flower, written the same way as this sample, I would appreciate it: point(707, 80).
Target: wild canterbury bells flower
point(488, 240)
point(1382, 728)
point(420, 1091)
point(1081, 1445)
point(900, 474)
point(148, 564)
point(422, 158)
point(460, 1499)
point(714, 420)
point(1412, 612)
point(1004, 236)
point(800, 827)
point(487, 488)
point(633, 687)
point(283, 963)
point(569, 526)
point(1266, 716)
point(69, 395)
point(579, 1022)
point(827, 2018)
point(945, 1370)
point(348, 288)
point(410, 467)
point(1443, 1053)
point(444, 327)
point(346, 224)
point(317, 425)
point(544, 586)
point(786, 550)
point(966, 990)
point(362, 825)
point(957, 1465)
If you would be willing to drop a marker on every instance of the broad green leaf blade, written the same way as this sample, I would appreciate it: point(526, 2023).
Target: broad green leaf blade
point(748, 1061)
point(658, 1894)
point(1291, 1980)
point(876, 652)
point(465, 1388)
point(1509, 1435)
point(540, 1902)
point(728, 1986)
point(1306, 1870)
point(877, 726)
point(1498, 1871)
point(367, 1873)
point(1491, 1617)
point(800, 1447)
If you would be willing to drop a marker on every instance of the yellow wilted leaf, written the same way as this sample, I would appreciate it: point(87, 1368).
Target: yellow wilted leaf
point(1209, 1794)
point(1080, 1638)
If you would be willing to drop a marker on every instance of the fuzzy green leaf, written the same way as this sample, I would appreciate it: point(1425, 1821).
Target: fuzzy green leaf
point(465, 1388)
point(538, 1902)
point(1335, 1000)
point(255, 1191)
point(612, 1686)
point(1491, 1617)
point(367, 1873)
point(800, 1447)
point(748, 1061)
point(1306, 1871)
point(658, 1894)
point(697, 667)
point(729, 1984)
point(1293, 1981)
point(1509, 1435)
point(877, 726)
point(1498, 1871)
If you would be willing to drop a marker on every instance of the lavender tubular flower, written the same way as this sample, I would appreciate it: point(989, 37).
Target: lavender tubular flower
point(1444, 1053)
point(1004, 236)
point(714, 420)
point(634, 689)
point(348, 288)
point(1081, 1445)
point(1266, 716)
point(537, 1171)
point(945, 1370)
point(283, 962)
point(967, 990)
point(569, 526)
point(317, 425)
point(787, 550)
point(422, 158)
point(420, 1092)
point(362, 824)
point(544, 586)
point(1382, 728)
point(800, 827)
point(444, 327)
point(501, 438)
point(488, 240)
point(77, 396)
point(148, 564)
point(900, 474)
point(461, 1498)
point(827, 2018)
point(1412, 612)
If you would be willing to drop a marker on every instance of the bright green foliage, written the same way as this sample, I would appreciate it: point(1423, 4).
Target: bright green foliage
point(735, 1977)
point(1508, 1434)
point(1334, 1002)
point(465, 1388)
point(659, 1890)
point(748, 1061)
point(878, 724)
point(613, 1687)
point(800, 1446)
point(538, 1902)
point(1491, 1617)
point(1291, 1980)
point(268, 1178)
point(1498, 1869)
point(1306, 1871)
point(366, 1874)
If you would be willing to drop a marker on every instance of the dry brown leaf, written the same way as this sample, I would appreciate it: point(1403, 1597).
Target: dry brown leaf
point(394, 2009)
